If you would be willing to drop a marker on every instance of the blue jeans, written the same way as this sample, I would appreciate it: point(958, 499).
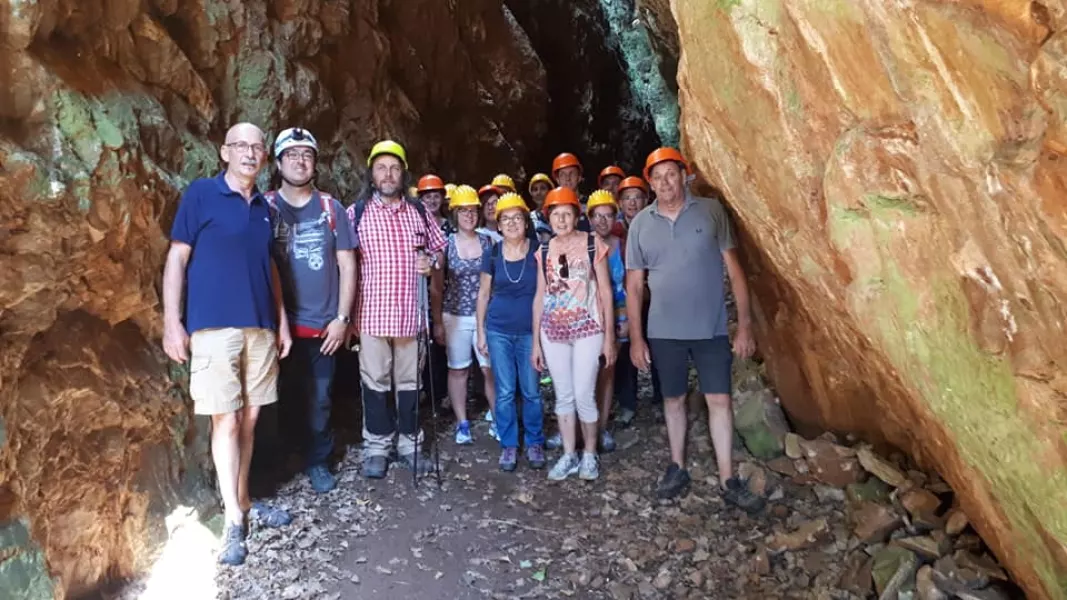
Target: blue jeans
point(510, 356)
point(304, 402)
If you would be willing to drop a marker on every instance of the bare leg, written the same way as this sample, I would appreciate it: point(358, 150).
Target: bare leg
point(248, 431)
point(566, 429)
point(490, 390)
point(605, 387)
point(721, 426)
point(225, 450)
point(674, 414)
point(457, 392)
point(589, 436)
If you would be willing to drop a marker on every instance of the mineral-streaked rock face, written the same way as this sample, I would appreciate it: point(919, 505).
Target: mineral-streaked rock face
point(106, 110)
point(899, 173)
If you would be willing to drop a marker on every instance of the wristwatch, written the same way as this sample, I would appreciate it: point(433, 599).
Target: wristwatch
point(344, 319)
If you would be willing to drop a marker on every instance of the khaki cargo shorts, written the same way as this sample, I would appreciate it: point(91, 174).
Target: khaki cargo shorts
point(231, 368)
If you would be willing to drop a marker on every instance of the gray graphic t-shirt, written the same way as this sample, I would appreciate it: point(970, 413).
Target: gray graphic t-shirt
point(306, 248)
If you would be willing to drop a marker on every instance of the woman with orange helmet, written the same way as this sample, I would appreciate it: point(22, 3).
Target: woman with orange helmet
point(431, 192)
point(572, 328)
point(489, 194)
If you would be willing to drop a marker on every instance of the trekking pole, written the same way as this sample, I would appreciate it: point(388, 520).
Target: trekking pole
point(422, 339)
point(424, 328)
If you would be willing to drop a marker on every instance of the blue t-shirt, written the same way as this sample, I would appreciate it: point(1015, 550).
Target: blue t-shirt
point(514, 287)
point(229, 271)
point(305, 250)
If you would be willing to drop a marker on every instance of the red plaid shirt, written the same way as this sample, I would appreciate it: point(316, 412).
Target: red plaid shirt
point(387, 277)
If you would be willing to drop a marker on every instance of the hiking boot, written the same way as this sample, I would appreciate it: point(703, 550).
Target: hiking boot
point(587, 469)
point(322, 480)
point(674, 482)
point(535, 455)
point(234, 550)
point(555, 442)
point(463, 433)
point(268, 516)
point(607, 441)
point(625, 418)
point(509, 459)
point(375, 467)
point(424, 463)
point(737, 493)
point(567, 465)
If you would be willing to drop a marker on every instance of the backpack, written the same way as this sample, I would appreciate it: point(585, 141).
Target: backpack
point(360, 207)
point(590, 247)
point(275, 212)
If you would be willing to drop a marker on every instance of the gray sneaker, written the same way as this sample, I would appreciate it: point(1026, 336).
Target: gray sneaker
point(588, 470)
point(234, 550)
point(567, 465)
point(424, 463)
point(555, 442)
point(607, 441)
point(625, 417)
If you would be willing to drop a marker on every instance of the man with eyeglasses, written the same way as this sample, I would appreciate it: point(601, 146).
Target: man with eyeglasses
point(235, 327)
point(398, 246)
point(313, 247)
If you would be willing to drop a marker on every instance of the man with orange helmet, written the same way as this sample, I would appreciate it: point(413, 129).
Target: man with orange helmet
point(688, 317)
point(609, 179)
point(567, 171)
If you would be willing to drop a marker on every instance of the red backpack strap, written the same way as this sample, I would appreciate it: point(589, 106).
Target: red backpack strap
point(327, 207)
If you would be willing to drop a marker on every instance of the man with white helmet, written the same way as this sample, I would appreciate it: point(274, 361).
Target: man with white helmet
point(314, 250)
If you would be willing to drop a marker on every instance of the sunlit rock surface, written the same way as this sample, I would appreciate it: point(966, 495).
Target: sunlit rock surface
point(898, 171)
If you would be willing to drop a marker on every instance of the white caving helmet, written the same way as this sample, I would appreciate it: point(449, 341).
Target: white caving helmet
point(294, 137)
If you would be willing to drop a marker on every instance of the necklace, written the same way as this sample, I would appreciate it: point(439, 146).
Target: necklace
point(521, 270)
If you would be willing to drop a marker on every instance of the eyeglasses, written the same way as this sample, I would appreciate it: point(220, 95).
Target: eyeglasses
point(513, 219)
point(603, 216)
point(564, 270)
point(244, 147)
point(301, 156)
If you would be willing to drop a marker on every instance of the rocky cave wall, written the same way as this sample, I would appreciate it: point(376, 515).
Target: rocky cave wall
point(108, 108)
point(899, 175)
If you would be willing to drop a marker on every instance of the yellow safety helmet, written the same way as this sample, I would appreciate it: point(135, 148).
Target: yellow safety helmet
point(504, 180)
point(388, 147)
point(540, 178)
point(509, 201)
point(600, 198)
point(449, 188)
point(463, 195)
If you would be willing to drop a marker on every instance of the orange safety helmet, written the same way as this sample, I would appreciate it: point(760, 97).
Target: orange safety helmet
point(490, 189)
point(565, 160)
point(610, 170)
point(431, 183)
point(662, 155)
point(633, 182)
point(560, 196)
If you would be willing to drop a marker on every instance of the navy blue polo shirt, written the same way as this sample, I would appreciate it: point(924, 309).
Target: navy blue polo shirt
point(229, 273)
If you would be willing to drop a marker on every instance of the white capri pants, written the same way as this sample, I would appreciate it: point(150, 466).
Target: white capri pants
point(461, 340)
point(574, 367)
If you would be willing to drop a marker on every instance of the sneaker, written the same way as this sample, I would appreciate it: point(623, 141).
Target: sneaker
point(424, 464)
point(674, 482)
point(463, 433)
point(607, 441)
point(567, 465)
point(375, 467)
point(588, 470)
point(234, 550)
point(738, 494)
point(322, 480)
point(555, 442)
point(492, 431)
point(268, 516)
point(625, 418)
point(488, 416)
point(509, 459)
point(535, 455)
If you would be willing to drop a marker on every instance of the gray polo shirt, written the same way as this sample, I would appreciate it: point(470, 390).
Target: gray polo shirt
point(685, 267)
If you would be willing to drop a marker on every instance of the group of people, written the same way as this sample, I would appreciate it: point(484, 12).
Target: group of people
point(590, 289)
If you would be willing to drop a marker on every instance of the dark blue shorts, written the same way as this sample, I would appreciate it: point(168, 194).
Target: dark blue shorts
point(712, 358)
